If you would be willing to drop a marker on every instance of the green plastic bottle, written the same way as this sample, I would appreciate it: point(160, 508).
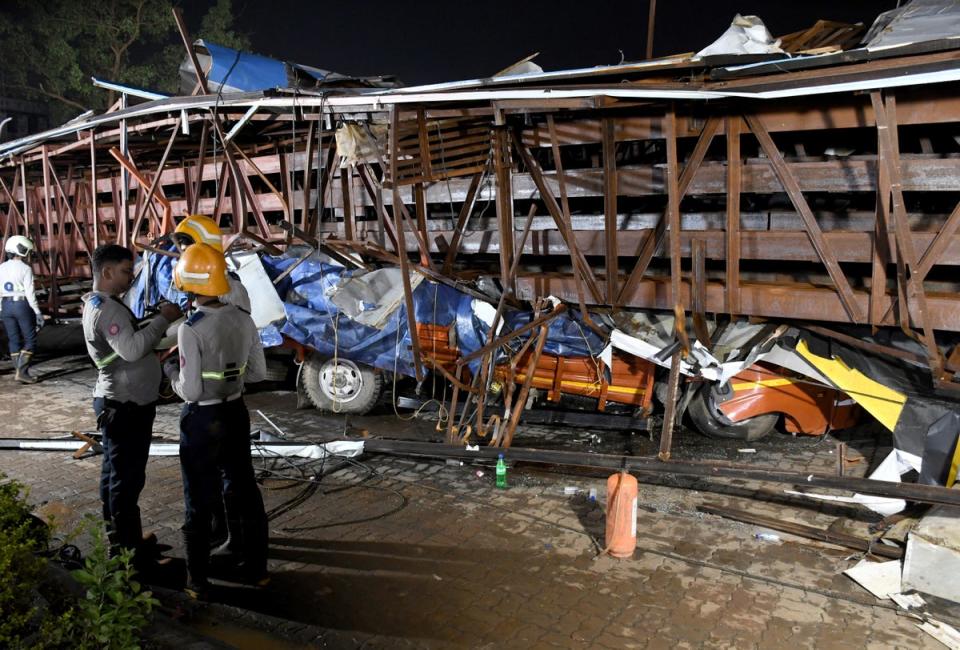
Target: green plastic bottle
point(501, 472)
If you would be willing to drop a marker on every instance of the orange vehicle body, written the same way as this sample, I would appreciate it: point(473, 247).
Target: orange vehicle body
point(808, 408)
point(630, 380)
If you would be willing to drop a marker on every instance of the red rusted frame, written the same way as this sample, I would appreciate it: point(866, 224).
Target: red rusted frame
point(579, 261)
point(521, 401)
point(734, 176)
point(402, 251)
point(886, 117)
point(610, 209)
point(465, 211)
point(792, 188)
point(503, 173)
point(670, 411)
point(654, 242)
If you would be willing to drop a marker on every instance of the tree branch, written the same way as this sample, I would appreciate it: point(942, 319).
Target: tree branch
point(60, 98)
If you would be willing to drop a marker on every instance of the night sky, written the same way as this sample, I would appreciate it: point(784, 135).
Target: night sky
point(436, 40)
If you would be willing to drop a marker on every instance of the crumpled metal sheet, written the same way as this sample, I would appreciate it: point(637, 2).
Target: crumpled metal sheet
point(917, 22)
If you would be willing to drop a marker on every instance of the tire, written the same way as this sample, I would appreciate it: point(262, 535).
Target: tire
point(711, 422)
point(341, 387)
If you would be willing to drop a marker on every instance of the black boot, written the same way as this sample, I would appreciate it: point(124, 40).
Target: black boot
point(23, 364)
point(198, 564)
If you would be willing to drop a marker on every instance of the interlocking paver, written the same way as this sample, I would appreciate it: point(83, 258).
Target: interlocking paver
point(426, 554)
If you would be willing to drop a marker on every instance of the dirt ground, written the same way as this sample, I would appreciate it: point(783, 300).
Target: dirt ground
point(395, 552)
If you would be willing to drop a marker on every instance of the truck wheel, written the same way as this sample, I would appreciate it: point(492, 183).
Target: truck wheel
point(340, 386)
point(711, 422)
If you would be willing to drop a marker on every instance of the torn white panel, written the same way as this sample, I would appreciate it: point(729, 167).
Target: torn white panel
point(790, 360)
point(879, 578)
point(521, 67)
point(910, 601)
point(486, 313)
point(895, 465)
point(265, 304)
point(372, 298)
point(932, 560)
point(639, 348)
point(746, 35)
point(945, 634)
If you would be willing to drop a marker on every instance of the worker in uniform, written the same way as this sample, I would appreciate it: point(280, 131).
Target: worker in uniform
point(18, 306)
point(201, 229)
point(125, 395)
point(219, 352)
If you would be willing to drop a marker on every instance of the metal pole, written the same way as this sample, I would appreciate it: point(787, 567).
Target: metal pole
point(124, 180)
point(651, 22)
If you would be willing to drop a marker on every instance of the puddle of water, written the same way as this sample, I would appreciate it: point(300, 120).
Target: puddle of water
point(238, 636)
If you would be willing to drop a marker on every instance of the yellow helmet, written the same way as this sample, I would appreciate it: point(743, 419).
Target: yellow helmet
point(200, 229)
point(202, 270)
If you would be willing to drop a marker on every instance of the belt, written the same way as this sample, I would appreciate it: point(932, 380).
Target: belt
point(14, 298)
point(211, 402)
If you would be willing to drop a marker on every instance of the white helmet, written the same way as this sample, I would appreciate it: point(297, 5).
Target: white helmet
point(19, 245)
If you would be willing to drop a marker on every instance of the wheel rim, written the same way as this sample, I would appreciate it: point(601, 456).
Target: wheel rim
point(341, 380)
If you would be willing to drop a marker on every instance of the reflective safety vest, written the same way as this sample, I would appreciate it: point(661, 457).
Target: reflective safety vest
point(106, 361)
point(224, 375)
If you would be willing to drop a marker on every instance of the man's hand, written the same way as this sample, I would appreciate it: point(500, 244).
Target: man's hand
point(170, 311)
point(40, 321)
point(171, 367)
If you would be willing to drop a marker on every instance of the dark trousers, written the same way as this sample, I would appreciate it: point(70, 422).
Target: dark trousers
point(20, 322)
point(215, 463)
point(126, 428)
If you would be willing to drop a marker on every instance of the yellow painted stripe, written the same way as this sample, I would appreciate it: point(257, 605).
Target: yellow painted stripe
point(763, 383)
point(878, 400)
point(623, 390)
point(954, 466)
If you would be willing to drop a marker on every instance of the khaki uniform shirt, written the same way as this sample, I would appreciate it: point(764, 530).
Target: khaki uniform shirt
point(220, 350)
point(129, 369)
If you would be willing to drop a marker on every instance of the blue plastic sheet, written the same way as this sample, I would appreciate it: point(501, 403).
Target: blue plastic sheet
point(153, 284)
point(313, 320)
point(245, 71)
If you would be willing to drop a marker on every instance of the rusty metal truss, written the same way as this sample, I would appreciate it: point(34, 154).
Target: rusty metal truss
point(825, 193)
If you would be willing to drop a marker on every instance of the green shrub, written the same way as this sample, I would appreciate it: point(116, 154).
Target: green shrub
point(115, 608)
point(112, 612)
point(20, 541)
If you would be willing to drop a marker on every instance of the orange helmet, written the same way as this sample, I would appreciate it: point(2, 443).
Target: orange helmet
point(201, 270)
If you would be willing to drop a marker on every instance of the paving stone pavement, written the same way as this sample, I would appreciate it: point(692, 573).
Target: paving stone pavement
point(400, 552)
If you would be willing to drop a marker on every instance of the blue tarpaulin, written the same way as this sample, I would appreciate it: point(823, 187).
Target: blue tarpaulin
point(150, 287)
point(245, 71)
point(312, 319)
